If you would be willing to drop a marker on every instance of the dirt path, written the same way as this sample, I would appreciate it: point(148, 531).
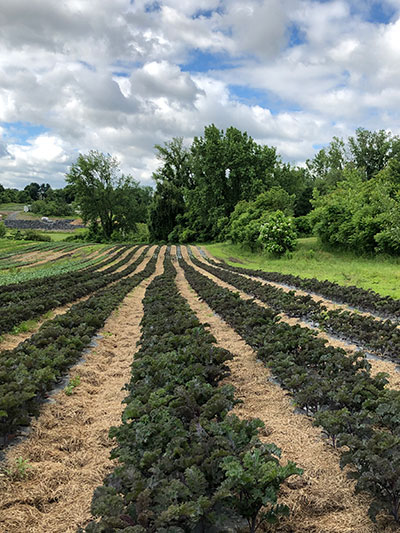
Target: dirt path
point(69, 447)
point(377, 365)
point(10, 341)
point(323, 499)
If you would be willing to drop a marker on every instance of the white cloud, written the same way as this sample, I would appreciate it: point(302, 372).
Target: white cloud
point(109, 76)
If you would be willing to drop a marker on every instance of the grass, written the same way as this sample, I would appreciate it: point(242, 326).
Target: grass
point(11, 207)
point(382, 274)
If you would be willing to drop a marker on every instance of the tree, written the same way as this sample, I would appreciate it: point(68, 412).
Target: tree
point(166, 206)
point(33, 190)
point(371, 150)
point(104, 196)
point(176, 164)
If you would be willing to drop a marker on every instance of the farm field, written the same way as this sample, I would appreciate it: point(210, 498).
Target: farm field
point(228, 390)
point(310, 260)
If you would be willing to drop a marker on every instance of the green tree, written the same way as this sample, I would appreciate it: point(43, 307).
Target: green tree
point(105, 197)
point(176, 168)
point(277, 234)
point(359, 215)
point(371, 150)
point(167, 204)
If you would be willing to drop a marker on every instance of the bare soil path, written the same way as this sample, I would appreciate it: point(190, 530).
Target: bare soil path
point(323, 499)
point(68, 447)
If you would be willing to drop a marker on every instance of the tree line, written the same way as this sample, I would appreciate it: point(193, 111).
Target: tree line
point(226, 186)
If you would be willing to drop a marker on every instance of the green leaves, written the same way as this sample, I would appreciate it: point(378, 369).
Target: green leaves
point(255, 478)
point(177, 432)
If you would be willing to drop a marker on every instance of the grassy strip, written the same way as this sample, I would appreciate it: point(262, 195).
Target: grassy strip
point(32, 369)
point(185, 463)
point(381, 337)
point(381, 274)
point(353, 408)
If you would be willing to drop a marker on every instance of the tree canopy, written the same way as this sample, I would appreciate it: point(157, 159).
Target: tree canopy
point(108, 200)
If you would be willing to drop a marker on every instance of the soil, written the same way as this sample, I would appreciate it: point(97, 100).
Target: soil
point(323, 499)
point(68, 447)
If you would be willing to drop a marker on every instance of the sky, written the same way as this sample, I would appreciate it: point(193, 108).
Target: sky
point(120, 76)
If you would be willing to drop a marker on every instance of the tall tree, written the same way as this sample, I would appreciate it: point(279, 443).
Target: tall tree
point(371, 150)
point(103, 194)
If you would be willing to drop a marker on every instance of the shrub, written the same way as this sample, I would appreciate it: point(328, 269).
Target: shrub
point(3, 229)
point(32, 235)
point(277, 234)
point(303, 226)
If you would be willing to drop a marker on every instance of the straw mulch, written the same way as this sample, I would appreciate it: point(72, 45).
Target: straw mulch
point(323, 499)
point(68, 448)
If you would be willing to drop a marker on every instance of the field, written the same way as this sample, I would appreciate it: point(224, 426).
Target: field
point(146, 388)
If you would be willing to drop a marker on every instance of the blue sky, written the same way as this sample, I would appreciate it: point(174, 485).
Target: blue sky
point(123, 76)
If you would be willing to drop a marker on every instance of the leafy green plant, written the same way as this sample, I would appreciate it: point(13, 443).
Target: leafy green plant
point(74, 382)
point(255, 479)
point(19, 469)
point(277, 234)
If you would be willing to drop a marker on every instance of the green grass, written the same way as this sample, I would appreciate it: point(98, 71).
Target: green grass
point(382, 274)
point(11, 207)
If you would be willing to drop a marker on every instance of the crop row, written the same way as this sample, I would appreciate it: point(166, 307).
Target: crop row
point(8, 291)
point(363, 299)
point(34, 366)
point(382, 337)
point(24, 248)
point(185, 463)
point(40, 300)
point(37, 275)
point(31, 304)
point(23, 291)
point(352, 407)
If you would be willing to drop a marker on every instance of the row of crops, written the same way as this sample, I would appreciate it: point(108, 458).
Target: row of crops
point(362, 299)
point(382, 337)
point(72, 257)
point(185, 462)
point(29, 300)
point(355, 410)
point(30, 370)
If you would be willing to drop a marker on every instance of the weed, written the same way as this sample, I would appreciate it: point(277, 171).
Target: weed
point(19, 469)
point(74, 382)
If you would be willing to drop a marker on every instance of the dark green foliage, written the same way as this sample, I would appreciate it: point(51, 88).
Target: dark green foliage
point(380, 336)
point(103, 194)
point(363, 299)
point(352, 407)
point(255, 479)
point(177, 443)
point(29, 371)
point(26, 301)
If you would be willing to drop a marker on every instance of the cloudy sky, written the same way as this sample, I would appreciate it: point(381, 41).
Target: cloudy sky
point(120, 76)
